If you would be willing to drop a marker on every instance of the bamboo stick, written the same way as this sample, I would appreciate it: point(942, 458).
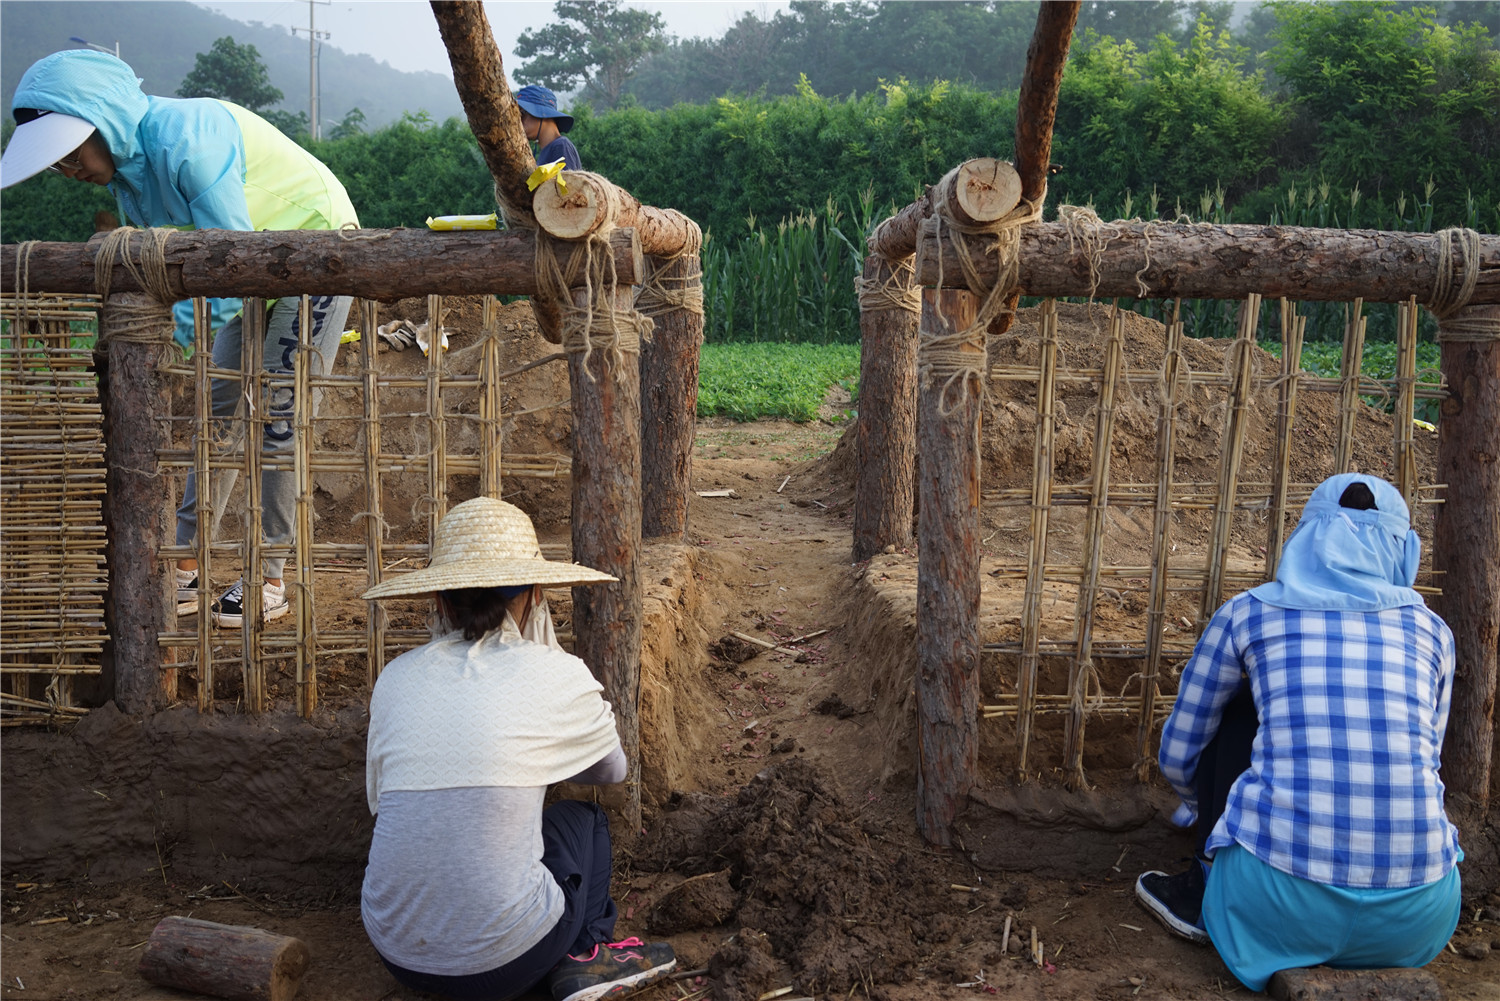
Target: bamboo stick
point(253, 374)
point(1293, 327)
point(1349, 378)
point(374, 516)
point(202, 449)
point(491, 406)
point(1405, 410)
point(1041, 505)
point(302, 406)
point(1235, 422)
point(437, 440)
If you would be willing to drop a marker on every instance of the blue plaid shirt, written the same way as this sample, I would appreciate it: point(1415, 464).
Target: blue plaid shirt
point(1343, 784)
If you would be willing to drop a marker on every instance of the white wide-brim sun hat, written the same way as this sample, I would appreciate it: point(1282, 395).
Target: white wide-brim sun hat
point(39, 144)
point(486, 542)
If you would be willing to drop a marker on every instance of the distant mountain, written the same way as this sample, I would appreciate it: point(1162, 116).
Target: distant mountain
point(161, 38)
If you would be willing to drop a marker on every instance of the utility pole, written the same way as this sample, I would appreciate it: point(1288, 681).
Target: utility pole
point(313, 34)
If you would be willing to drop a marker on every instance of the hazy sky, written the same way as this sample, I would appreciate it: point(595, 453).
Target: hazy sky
point(403, 33)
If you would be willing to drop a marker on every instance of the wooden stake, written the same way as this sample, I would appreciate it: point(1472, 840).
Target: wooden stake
point(886, 428)
point(669, 402)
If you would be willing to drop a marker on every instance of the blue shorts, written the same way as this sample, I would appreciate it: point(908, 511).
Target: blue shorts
point(1262, 920)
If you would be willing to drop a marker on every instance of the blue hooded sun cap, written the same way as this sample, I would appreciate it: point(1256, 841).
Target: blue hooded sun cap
point(539, 102)
point(1346, 559)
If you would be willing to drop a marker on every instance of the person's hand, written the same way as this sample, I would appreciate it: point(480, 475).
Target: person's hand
point(1184, 817)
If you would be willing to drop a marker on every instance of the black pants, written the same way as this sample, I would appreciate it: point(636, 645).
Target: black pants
point(1226, 757)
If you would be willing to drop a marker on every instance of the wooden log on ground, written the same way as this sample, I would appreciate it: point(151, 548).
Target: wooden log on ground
point(1466, 548)
point(224, 961)
point(885, 440)
point(974, 192)
point(1203, 261)
point(593, 202)
point(1320, 983)
point(385, 264)
point(947, 576)
point(669, 399)
point(607, 535)
point(137, 502)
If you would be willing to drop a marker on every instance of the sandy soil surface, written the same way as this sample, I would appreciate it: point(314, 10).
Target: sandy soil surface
point(779, 848)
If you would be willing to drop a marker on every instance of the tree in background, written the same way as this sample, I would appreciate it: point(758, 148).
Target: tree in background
point(596, 43)
point(234, 73)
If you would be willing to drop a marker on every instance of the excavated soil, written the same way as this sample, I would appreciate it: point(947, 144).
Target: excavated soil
point(779, 848)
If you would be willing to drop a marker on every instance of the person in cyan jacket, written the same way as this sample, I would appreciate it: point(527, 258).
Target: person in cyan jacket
point(194, 163)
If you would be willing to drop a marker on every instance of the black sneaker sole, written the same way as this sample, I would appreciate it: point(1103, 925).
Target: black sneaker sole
point(1170, 921)
point(236, 620)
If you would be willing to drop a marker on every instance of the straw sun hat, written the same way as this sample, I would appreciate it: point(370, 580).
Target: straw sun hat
point(486, 543)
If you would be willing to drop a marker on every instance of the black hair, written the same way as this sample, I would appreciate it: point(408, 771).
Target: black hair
point(1358, 497)
point(477, 610)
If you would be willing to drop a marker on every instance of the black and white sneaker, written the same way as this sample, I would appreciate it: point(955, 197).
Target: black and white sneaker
point(229, 610)
point(1176, 901)
point(611, 970)
point(188, 597)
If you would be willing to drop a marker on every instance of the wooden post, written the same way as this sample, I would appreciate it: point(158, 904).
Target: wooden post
point(669, 393)
point(947, 574)
point(1466, 544)
point(607, 535)
point(226, 961)
point(886, 429)
point(137, 502)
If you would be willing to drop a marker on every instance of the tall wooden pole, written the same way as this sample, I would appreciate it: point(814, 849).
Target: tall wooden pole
point(137, 502)
point(607, 534)
point(1466, 548)
point(947, 572)
point(669, 394)
point(886, 431)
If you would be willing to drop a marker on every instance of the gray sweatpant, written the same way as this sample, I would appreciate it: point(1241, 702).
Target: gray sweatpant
point(278, 487)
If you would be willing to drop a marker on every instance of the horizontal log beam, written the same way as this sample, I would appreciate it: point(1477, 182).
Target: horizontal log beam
point(1228, 262)
point(384, 264)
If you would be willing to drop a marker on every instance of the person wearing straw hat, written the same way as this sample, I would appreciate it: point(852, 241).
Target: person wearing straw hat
point(1306, 741)
point(473, 890)
point(545, 126)
point(194, 163)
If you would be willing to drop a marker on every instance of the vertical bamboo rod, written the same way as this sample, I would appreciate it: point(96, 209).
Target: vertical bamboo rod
point(253, 376)
point(1041, 508)
point(373, 515)
point(1406, 400)
point(1088, 592)
point(437, 433)
point(491, 406)
point(1354, 351)
point(202, 449)
point(302, 408)
point(1235, 421)
point(1293, 327)
point(1172, 373)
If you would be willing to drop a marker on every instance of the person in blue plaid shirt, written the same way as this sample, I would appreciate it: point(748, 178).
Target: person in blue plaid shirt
point(1306, 743)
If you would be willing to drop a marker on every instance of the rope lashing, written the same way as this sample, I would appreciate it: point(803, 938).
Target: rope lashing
point(1450, 296)
point(660, 294)
point(899, 290)
point(137, 323)
point(597, 325)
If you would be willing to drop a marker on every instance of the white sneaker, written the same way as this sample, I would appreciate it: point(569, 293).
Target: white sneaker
point(187, 592)
point(229, 610)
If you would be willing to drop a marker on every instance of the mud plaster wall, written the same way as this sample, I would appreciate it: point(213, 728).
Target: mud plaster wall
point(278, 802)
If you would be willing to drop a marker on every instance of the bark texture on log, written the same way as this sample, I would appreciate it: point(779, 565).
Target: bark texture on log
point(885, 439)
point(1229, 262)
point(976, 191)
point(607, 537)
point(226, 961)
point(494, 116)
point(385, 264)
point(669, 407)
point(947, 581)
point(592, 202)
point(1321, 983)
point(1466, 547)
point(136, 509)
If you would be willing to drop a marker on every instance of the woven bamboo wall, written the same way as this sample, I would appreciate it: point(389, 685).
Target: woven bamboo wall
point(1149, 658)
point(52, 579)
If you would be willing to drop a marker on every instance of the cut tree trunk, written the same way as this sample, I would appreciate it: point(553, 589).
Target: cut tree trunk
point(607, 536)
point(1466, 548)
point(137, 506)
point(385, 264)
point(224, 961)
point(592, 203)
point(1199, 261)
point(886, 429)
point(974, 192)
point(669, 405)
point(947, 579)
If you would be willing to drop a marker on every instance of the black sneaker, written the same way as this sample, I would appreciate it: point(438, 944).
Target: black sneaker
point(1175, 901)
point(610, 970)
point(187, 591)
point(229, 610)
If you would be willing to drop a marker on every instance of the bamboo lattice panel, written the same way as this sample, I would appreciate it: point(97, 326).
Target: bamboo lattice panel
point(1055, 659)
point(52, 577)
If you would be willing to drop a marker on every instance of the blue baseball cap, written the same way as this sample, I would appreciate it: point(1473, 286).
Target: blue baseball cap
point(539, 102)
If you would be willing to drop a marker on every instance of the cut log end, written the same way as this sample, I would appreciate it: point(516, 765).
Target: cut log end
point(583, 210)
point(237, 962)
point(987, 189)
point(1320, 983)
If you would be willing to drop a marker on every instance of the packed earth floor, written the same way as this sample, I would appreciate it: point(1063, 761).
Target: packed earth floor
point(779, 847)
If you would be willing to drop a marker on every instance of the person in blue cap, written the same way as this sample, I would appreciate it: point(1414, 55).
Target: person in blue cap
point(1306, 741)
point(545, 126)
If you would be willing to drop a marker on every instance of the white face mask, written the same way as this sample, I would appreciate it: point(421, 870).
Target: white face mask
point(539, 626)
